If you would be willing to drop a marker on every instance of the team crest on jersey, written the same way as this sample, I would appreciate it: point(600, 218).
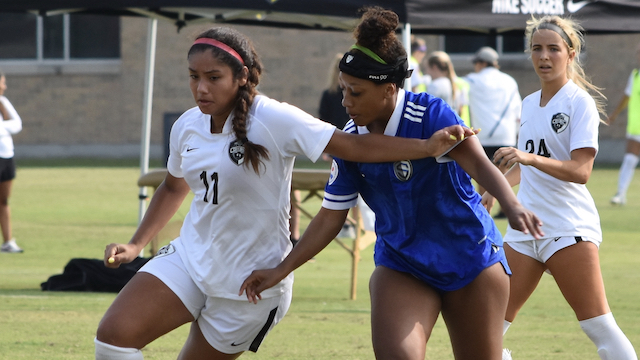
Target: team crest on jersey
point(333, 175)
point(403, 170)
point(236, 152)
point(560, 122)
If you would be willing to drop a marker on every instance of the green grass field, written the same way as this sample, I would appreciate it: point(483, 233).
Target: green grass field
point(62, 212)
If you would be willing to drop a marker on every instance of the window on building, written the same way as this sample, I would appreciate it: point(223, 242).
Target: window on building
point(60, 37)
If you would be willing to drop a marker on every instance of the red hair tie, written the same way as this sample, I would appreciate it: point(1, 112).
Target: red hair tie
point(219, 45)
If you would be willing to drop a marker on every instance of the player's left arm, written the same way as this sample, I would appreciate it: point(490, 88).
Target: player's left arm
point(471, 157)
point(381, 148)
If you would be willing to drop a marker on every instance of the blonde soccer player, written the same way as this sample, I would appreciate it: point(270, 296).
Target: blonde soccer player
point(552, 163)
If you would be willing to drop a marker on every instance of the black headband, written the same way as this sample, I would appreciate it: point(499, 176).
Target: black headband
point(557, 29)
point(362, 66)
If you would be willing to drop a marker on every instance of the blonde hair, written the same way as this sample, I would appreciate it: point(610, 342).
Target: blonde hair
point(575, 72)
point(334, 71)
point(442, 61)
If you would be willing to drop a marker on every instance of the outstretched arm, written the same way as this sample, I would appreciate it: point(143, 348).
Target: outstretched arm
point(164, 204)
point(381, 148)
point(321, 231)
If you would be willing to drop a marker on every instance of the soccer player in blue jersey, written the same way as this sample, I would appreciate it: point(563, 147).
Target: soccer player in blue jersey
point(437, 248)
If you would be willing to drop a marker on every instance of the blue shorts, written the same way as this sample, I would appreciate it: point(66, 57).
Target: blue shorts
point(450, 270)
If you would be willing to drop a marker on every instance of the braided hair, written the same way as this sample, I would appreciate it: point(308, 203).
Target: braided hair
point(253, 153)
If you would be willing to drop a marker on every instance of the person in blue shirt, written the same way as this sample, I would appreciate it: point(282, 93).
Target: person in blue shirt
point(437, 249)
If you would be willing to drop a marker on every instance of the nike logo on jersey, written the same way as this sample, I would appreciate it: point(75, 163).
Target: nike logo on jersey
point(238, 344)
point(573, 6)
point(191, 149)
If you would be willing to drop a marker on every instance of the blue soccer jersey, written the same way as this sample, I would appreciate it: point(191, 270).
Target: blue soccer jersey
point(429, 219)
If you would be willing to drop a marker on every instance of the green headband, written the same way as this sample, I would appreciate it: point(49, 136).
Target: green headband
point(370, 53)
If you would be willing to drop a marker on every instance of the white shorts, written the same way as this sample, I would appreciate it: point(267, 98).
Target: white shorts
point(230, 326)
point(543, 249)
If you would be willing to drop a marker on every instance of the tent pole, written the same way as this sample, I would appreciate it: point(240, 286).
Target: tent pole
point(152, 31)
point(406, 40)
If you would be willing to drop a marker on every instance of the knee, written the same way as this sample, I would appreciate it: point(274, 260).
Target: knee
point(115, 332)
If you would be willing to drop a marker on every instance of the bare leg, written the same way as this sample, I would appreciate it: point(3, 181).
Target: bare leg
point(5, 210)
point(633, 147)
point(576, 270)
point(144, 310)
point(403, 313)
point(526, 276)
point(577, 273)
point(197, 347)
point(474, 315)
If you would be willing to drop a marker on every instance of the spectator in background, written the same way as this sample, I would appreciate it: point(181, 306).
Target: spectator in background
point(494, 104)
point(630, 99)
point(11, 124)
point(331, 109)
point(419, 81)
point(446, 85)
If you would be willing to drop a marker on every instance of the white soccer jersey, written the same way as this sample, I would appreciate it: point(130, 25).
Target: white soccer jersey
point(494, 105)
point(8, 127)
point(568, 122)
point(238, 220)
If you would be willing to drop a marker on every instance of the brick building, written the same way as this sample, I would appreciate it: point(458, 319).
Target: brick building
point(94, 108)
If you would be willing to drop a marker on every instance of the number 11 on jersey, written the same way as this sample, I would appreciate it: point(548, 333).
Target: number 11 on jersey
point(214, 180)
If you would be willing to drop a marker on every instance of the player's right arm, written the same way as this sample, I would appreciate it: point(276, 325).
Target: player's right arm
point(164, 204)
point(321, 231)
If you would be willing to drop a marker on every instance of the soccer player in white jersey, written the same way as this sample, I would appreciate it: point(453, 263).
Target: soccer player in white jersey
point(235, 151)
point(552, 163)
point(437, 248)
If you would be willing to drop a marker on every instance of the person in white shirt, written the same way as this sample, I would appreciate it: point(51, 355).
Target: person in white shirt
point(494, 103)
point(552, 163)
point(11, 125)
point(445, 84)
point(235, 151)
